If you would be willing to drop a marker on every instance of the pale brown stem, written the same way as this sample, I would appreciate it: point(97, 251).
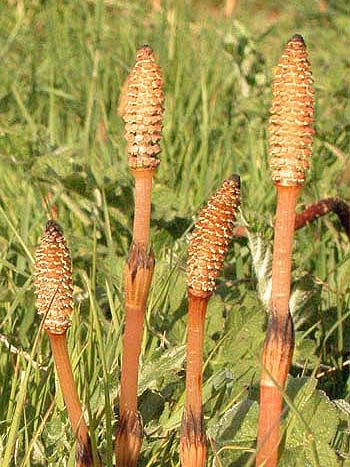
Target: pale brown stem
point(282, 248)
point(193, 439)
point(138, 276)
point(129, 431)
point(58, 342)
point(135, 308)
point(279, 342)
point(129, 439)
point(156, 5)
point(270, 405)
point(276, 361)
point(230, 6)
point(131, 353)
point(322, 6)
point(197, 307)
point(142, 196)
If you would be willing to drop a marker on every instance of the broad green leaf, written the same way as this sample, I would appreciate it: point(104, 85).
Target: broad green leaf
point(162, 369)
point(238, 423)
point(215, 321)
point(218, 382)
point(304, 300)
point(234, 433)
point(311, 425)
point(241, 345)
point(341, 440)
point(177, 291)
point(305, 351)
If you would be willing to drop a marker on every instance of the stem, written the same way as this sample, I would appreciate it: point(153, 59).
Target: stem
point(270, 403)
point(230, 6)
point(156, 5)
point(138, 276)
point(193, 440)
point(322, 207)
point(197, 307)
point(276, 360)
point(322, 6)
point(142, 196)
point(130, 361)
point(279, 342)
point(58, 342)
point(283, 245)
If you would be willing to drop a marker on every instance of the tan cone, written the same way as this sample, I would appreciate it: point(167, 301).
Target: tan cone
point(292, 115)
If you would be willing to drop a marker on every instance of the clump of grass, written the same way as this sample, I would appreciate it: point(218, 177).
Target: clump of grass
point(291, 135)
point(142, 111)
point(54, 291)
point(207, 250)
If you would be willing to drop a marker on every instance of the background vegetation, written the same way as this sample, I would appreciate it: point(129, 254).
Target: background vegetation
point(62, 67)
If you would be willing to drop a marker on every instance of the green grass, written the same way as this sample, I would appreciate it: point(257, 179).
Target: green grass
point(62, 67)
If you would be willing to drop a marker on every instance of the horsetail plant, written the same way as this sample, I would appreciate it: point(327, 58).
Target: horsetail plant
point(54, 292)
point(142, 113)
point(290, 144)
point(207, 250)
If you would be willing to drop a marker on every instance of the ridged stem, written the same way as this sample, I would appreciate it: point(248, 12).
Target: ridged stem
point(197, 307)
point(282, 247)
point(230, 6)
point(142, 199)
point(193, 440)
point(138, 276)
point(58, 342)
point(269, 419)
point(130, 431)
point(135, 311)
point(131, 353)
point(279, 342)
